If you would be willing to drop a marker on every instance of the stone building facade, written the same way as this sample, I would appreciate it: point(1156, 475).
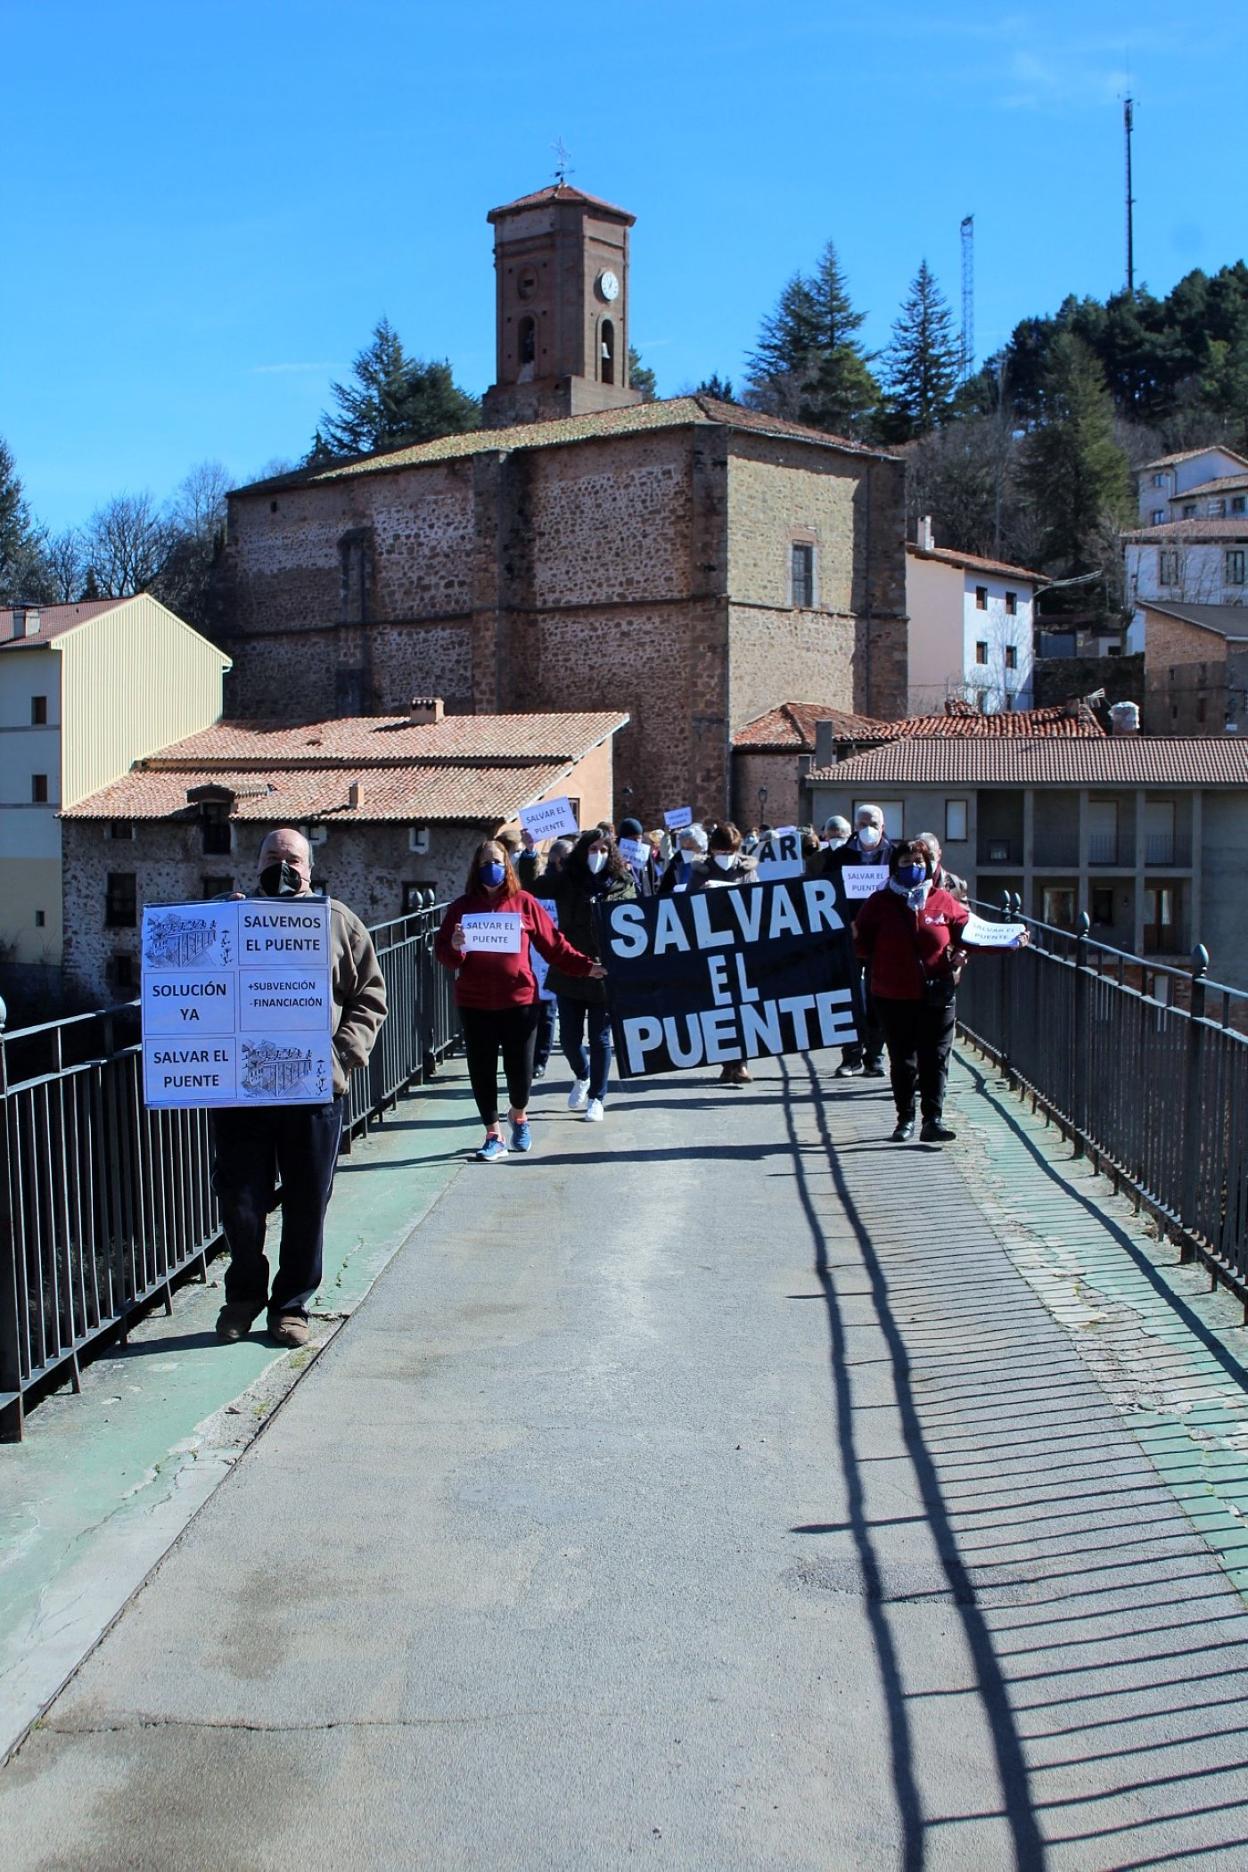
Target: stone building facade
point(1195, 669)
point(688, 561)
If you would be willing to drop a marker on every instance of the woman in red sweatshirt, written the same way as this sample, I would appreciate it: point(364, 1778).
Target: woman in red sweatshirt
point(495, 990)
point(911, 934)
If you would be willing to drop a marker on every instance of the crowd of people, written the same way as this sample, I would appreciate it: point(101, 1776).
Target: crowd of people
point(909, 943)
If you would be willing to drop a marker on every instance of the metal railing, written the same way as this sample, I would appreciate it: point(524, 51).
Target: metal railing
point(104, 1203)
point(1144, 1064)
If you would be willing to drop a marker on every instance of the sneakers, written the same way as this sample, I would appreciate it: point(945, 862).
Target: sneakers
point(874, 1069)
point(289, 1329)
point(233, 1322)
point(934, 1132)
point(492, 1150)
point(594, 1113)
point(521, 1137)
point(850, 1069)
point(578, 1097)
point(904, 1131)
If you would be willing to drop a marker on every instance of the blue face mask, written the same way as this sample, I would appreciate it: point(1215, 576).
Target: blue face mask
point(491, 875)
point(911, 875)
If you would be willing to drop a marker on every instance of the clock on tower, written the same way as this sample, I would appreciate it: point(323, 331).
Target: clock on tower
point(561, 265)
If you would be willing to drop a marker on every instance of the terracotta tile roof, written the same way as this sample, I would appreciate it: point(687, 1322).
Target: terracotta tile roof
point(391, 740)
point(971, 562)
point(54, 621)
point(791, 727)
point(1212, 448)
point(1108, 761)
point(560, 192)
point(1196, 530)
point(1227, 620)
point(637, 419)
point(1223, 484)
point(413, 794)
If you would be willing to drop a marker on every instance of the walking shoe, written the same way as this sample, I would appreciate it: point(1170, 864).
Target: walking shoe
point(521, 1137)
point(736, 1072)
point(288, 1329)
point(491, 1150)
point(234, 1322)
point(578, 1097)
point(850, 1069)
point(904, 1131)
point(594, 1113)
point(874, 1069)
point(934, 1132)
point(539, 1072)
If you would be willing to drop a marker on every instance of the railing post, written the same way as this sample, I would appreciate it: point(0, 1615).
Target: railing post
point(11, 1418)
point(1004, 992)
point(1079, 1049)
point(1193, 1118)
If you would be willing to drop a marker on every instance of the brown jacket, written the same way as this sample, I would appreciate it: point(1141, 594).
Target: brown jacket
point(359, 992)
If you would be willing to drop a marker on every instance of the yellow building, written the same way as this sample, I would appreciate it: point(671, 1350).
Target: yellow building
point(85, 691)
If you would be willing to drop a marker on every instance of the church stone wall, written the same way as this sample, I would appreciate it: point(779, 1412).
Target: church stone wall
point(611, 525)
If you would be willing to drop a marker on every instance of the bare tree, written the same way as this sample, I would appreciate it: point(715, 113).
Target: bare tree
point(126, 544)
point(67, 566)
point(197, 509)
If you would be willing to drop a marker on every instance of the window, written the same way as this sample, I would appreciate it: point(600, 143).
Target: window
point(38, 789)
point(1102, 832)
point(1168, 567)
point(1159, 480)
point(1058, 908)
point(955, 821)
point(1159, 516)
point(121, 974)
point(121, 901)
point(217, 886)
point(1189, 510)
point(527, 346)
point(349, 691)
point(607, 372)
point(41, 918)
point(803, 572)
point(1011, 604)
point(355, 564)
point(1237, 503)
point(1011, 656)
point(1200, 708)
point(1235, 567)
point(218, 834)
point(981, 651)
point(122, 829)
point(1102, 905)
point(1217, 510)
point(981, 597)
point(38, 711)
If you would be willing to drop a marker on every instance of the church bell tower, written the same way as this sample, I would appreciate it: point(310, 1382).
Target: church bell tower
point(562, 299)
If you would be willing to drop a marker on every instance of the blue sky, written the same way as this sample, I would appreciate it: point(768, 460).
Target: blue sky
point(208, 205)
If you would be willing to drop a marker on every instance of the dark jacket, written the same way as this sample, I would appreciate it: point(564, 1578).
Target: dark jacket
point(575, 905)
point(830, 864)
point(908, 948)
point(710, 876)
point(671, 877)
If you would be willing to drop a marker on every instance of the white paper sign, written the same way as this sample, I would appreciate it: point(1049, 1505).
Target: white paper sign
point(538, 963)
point(990, 935)
point(237, 1003)
point(679, 816)
point(635, 852)
point(552, 818)
point(779, 855)
point(864, 880)
point(497, 932)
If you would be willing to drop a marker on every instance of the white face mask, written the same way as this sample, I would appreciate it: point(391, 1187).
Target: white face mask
point(842, 838)
point(868, 837)
point(596, 860)
point(725, 860)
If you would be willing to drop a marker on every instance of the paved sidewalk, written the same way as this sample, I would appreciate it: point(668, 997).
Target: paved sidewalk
point(695, 1492)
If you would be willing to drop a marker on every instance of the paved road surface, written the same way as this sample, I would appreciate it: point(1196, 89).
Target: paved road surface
point(686, 1494)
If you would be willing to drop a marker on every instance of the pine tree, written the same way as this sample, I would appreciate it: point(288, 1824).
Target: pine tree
point(23, 573)
point(779, 365)
point(809, 363)
point(393, 401)
point(921, 362)
point(1073, 470)
point(717, 387)
point(641, 377)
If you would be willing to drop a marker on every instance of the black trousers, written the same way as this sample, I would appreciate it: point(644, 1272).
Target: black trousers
point(919, 1038)
point(870, 1044)
point(545, 1034)
point(251, 1150)
point(487, 1031)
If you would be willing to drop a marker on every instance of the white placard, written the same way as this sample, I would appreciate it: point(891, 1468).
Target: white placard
point(863, 880)
point(635, 852)
point(678, 817)
point(552, 818)
point(778, 854)
point(538, 963)
point(223, 1024)
point(982, 935)
point(495, 932)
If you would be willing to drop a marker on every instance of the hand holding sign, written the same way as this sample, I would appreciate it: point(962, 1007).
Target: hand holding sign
point(982, 935)
point(679, 817)
point(494, 932)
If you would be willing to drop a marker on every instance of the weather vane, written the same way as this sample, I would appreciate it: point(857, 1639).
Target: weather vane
point(563, 159)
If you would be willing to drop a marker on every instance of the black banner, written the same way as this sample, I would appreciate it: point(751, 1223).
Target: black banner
point(727, 974)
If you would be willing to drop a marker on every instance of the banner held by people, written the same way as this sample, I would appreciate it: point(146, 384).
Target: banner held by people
point(702, 979)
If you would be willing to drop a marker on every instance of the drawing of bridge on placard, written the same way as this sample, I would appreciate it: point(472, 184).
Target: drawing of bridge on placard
point(175, 941)
point(274, 1071)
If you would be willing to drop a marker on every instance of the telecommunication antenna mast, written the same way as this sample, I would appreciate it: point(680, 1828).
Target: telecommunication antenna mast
point(968, 296)
point(1128, 127)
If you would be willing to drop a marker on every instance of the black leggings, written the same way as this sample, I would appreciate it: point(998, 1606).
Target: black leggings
point(485, 1030)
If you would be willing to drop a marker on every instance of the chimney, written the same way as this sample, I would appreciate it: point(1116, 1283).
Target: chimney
point(925, 539)
point(26, 620)
point(825, 744)
point(1124, 718)
point(355, 794)
point(423, 710)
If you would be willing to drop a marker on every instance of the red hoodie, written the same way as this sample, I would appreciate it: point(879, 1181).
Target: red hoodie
point(904, 946)
point(484, 979)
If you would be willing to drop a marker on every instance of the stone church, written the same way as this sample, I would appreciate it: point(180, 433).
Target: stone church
point(689, 561)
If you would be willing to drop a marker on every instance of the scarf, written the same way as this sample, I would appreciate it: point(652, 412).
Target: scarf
point(917, 897)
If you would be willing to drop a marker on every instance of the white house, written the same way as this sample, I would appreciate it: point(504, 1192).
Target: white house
point(1192, 561)
point(85, 690)
point(1169, 485)
point(971, 634)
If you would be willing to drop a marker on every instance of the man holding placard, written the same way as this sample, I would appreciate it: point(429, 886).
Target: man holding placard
point(264, 1141)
